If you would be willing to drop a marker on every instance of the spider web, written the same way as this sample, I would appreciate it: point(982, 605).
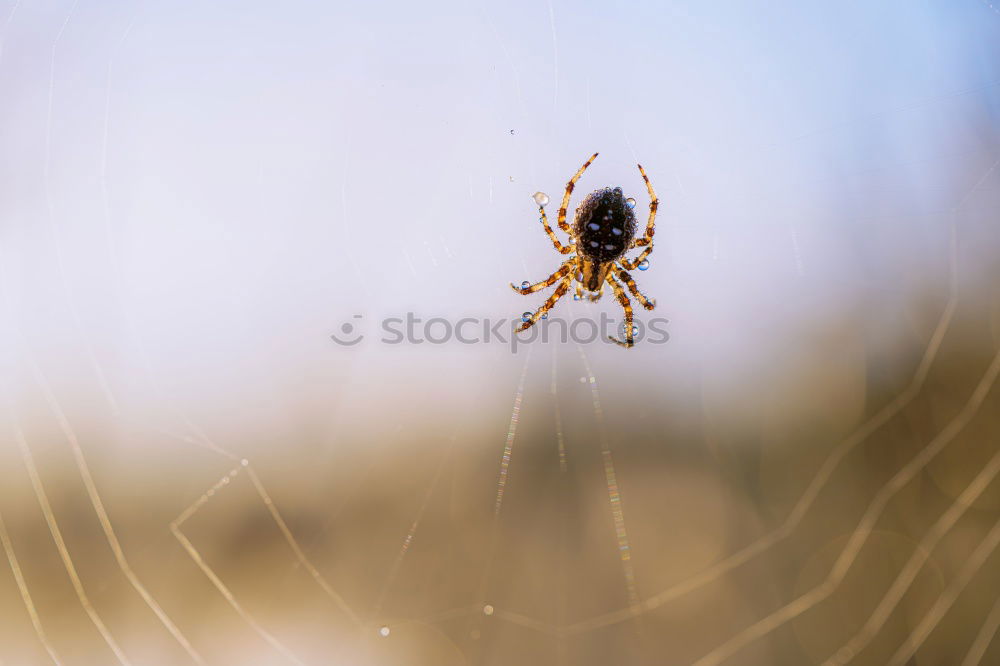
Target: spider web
point(482, 612)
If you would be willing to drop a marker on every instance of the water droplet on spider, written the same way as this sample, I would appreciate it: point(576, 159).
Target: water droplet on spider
point(577, 297)
point(541, 198)
point(644, 265)
point(545, 316)
point(630, 202)
point(525, 284)
point(635, 330)
point(526, 316)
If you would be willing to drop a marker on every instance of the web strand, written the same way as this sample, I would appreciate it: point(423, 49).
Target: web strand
point(944, 602)
point(985, 636)
point(412, 532)
point(614, 492)
point(226, 593)
point(22, 588)
point(505, 458)
point(934, 535)
point(102, 515)
point(269, 504)
point(67, 560)
point(864, 529)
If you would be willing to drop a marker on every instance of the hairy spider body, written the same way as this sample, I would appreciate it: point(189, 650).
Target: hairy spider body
point(603, 231)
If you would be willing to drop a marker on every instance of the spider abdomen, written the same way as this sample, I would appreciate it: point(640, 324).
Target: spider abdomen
point(604, 226)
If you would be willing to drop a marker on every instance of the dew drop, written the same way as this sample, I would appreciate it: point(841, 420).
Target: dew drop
point(545, 316)
point(630, 202)
point(577, 297)
point(541, 198)
point(525, 284)
point(644, 265)
point(526, 316)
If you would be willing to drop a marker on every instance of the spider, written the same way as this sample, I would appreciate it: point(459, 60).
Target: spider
point(603, 230)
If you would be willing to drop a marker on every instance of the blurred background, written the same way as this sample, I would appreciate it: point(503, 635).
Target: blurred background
point(197, 196)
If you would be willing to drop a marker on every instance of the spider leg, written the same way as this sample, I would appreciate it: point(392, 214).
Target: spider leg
point(654, 203)
point(547, 305)
point(648, 303)
point(562, 249)
point(627, 307)
point(569, 190)
point(631, 265)
point(647, 239)
point(566, 267)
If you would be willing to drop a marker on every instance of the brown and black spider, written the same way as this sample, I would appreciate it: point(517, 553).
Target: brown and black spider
point(603, 230)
